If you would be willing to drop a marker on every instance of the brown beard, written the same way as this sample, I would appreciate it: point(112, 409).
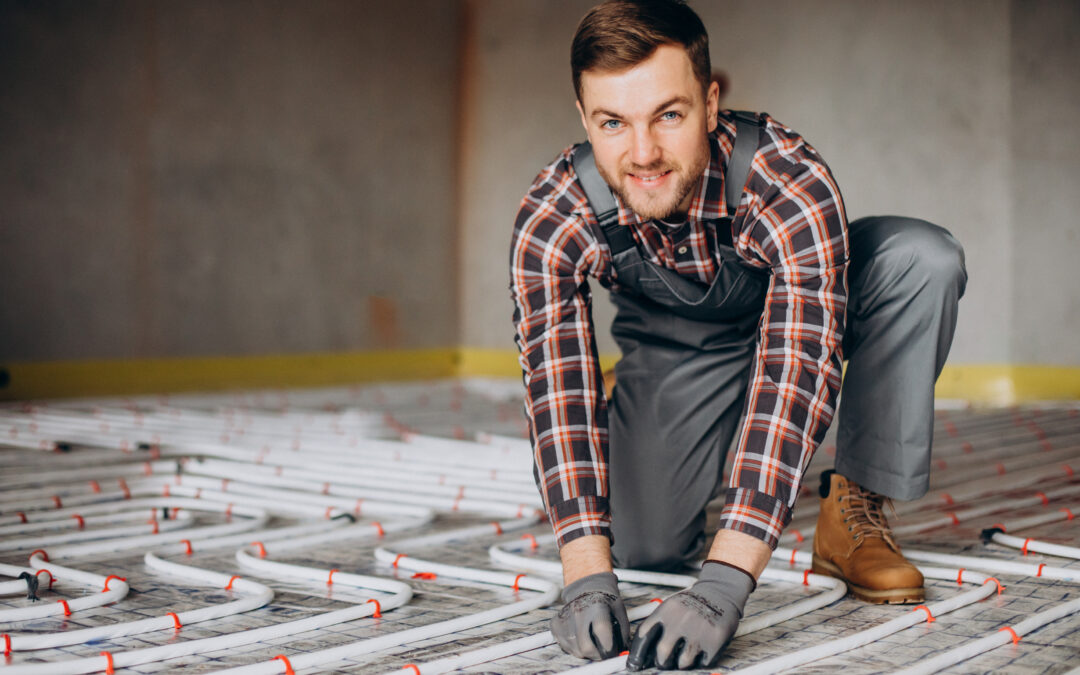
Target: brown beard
point(654, 210)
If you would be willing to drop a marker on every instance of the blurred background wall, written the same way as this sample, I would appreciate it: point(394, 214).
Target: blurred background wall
point(250, 177)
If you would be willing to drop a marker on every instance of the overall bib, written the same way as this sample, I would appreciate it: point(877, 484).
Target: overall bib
point(688, 348)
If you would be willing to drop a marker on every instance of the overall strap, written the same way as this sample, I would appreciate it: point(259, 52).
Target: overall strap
point(603, 204)
point(747, 128)
point(601, 201)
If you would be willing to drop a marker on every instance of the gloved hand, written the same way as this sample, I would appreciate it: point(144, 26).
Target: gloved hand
point(691, 628)
point(592, 624)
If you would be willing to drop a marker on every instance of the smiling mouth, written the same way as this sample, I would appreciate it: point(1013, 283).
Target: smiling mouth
point(651, 178)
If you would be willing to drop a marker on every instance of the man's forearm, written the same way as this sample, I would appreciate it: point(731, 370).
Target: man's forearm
point(586, 555)
point(737, 548)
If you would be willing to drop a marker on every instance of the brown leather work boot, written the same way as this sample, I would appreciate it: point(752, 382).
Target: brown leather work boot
point(853, 542)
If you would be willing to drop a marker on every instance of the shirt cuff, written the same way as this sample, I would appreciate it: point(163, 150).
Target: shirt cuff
point(755, 513)
point(580, 517)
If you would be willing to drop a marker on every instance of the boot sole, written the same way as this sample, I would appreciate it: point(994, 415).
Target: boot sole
point(891, 596)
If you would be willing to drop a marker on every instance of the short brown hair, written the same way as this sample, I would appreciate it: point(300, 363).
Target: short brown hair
point(620, 34)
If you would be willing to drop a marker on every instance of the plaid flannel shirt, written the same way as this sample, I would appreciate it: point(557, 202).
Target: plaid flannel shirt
point(790, 221)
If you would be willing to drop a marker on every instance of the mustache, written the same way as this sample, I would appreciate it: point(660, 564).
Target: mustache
point(655, 167)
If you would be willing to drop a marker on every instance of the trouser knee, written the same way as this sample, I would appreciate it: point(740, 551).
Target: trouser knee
point(907, 255)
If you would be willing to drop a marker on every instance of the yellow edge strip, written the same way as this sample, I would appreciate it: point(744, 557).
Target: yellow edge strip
point(56, 379)
point(980, 384)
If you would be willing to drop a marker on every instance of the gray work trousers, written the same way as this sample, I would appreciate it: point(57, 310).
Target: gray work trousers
point(681, 386)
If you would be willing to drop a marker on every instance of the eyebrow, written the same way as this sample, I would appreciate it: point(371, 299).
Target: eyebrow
point(663, 106)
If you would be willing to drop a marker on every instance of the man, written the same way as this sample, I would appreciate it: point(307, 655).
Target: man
point(730, 269)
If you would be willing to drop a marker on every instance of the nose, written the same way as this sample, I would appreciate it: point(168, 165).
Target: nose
point(645, 151)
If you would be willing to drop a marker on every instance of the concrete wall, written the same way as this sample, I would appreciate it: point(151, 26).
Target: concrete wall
point(917, 107)
point(1045, 175)
point(243, 177)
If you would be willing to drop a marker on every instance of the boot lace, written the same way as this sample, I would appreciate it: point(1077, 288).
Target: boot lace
point(865, 514)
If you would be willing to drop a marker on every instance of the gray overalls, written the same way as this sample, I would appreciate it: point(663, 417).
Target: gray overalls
point(687, 351)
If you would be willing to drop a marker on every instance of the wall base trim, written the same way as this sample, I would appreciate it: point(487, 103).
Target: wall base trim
point(982, 384)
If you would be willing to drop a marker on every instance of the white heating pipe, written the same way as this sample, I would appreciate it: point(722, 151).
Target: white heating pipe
point(117, 590)
point(255, 595)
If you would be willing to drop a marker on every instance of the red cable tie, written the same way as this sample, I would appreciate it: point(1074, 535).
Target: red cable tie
point(948, 499)
point(960, 577)
point(413, 666)
point(531, 539)
point(517, 580)
point(176, 620)
point(1043, 497)
point(1068, 469)
point(326, 488)
point(378, 609)
point(793, 552)
point(929, 617)
point(806, 577)
point(51, 577)
point(233, 578)
point(950, 428)
point(1015, 637)
point(521, 509)
point(95, 486)
point(1046, 445)
point(461, 492)
point(1000, 468)
point(1067, 512)
point(81, 521)
point(425, 575)
point(399, 557)
point(378, 528)
point(1038, 572)
point(148, 468)
point(288, 666)
point(7, 645)
point(56, 500)
point(228, 512)
point(109, 670)
point(262, 549)
point(657, 600)
point(498, 528)
point(968, 448)
point(22, 516)
point(941, 464)
point(798, 535)
point(110, 578)
point(955, 520)
point(224, 484)
point(67, 610)
point(44, 555)
point(175, 512)
point(165, 491)
point(1000, 588)
point(1023, 549)
point(187, 544)
point(1000, 525)
point(330, 579)
point(356, 509)
point(278, 469)
point(329, 510)
point(156, 529)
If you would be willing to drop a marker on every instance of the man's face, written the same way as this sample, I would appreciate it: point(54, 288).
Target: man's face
point(649, 128)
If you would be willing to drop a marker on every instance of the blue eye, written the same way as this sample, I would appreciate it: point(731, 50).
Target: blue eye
point(610, 124)
point(670, 115)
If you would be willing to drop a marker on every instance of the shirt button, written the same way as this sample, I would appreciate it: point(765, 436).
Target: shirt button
point(682, 250)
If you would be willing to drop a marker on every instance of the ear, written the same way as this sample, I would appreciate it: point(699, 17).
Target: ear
point(581, 112)
point(712, 104)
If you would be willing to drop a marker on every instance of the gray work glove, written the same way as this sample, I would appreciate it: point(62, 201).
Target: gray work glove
point(592, 624)
point(691, 628)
